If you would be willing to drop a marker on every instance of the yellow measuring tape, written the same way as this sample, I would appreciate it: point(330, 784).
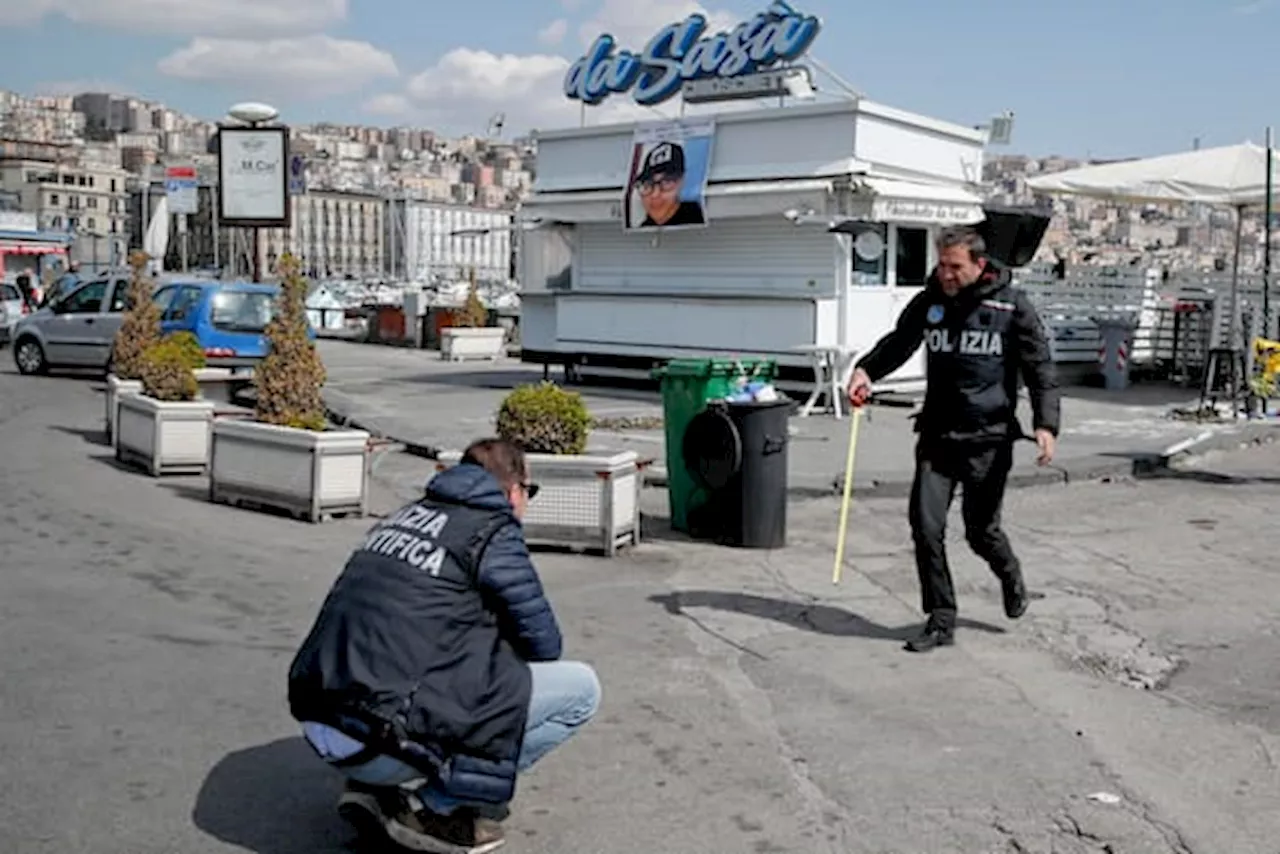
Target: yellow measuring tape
point(848, 495)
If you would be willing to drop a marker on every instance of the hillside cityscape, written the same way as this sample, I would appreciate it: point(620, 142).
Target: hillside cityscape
point(388, 203)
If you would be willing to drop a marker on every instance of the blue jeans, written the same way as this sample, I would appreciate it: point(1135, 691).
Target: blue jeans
point(565, 696)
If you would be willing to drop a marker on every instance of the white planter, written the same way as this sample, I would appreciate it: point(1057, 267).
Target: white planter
point(220, 384)
point(587, 499)
point(163, 437)
point(115, 388)
point(458, 343)
point(312, 475)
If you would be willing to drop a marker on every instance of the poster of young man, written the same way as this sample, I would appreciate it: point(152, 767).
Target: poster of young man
point(667, 182)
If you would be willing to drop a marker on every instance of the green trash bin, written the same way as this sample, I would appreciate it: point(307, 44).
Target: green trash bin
point(688, 385)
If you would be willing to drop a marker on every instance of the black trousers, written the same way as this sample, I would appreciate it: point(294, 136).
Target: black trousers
point(982, 471)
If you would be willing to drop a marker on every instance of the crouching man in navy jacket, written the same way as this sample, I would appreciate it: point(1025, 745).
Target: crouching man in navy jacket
point(432, 675)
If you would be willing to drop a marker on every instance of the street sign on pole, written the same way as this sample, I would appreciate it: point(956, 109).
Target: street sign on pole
point(182, 186)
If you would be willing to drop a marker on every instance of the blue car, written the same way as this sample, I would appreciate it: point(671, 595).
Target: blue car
point(228, 318)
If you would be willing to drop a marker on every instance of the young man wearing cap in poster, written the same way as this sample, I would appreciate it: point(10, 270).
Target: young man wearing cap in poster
point(982, 336)
point(660, 182)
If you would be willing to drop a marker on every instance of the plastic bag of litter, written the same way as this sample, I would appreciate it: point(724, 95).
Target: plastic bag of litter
point(752, 391)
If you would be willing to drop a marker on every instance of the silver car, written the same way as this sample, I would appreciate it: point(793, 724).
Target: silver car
point(76, 331)
point(12, 309)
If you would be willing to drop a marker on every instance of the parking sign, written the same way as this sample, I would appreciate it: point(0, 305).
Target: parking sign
point(182, 186)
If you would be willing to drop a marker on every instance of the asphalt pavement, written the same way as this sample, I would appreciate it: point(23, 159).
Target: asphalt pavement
point(749, 705)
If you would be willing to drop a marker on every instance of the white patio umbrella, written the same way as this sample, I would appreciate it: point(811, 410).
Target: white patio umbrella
point(1230, 175)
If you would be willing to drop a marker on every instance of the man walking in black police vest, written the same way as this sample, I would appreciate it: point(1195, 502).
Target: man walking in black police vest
point(982, 336)
point(432, 675)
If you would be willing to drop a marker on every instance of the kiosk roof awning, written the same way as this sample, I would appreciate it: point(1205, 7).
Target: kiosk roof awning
point(895, 200)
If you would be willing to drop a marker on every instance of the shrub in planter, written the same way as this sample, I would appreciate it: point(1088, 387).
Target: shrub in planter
point(469, 335)
point(165, 429)
point(188, 348)
point(545, 419)
point(139, 329)
point(140, 326)
point(290, 378)
point(473, 314)
point(287, 458)
point(167, 372)
point(584, 498)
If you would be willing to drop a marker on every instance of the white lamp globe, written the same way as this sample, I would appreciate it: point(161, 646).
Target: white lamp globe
point(253, 112)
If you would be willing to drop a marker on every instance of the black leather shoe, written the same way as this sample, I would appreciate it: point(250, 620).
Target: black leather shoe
point(1015, 597)
point(931, 638)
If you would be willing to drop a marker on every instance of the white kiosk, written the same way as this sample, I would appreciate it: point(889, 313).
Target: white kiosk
point(749, 266)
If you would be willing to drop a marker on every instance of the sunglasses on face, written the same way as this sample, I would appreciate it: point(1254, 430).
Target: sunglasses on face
point(530, 490)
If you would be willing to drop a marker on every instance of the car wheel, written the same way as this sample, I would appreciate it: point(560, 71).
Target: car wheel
point(29, 357)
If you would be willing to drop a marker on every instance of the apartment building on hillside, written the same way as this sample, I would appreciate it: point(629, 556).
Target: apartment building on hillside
point(66, 193)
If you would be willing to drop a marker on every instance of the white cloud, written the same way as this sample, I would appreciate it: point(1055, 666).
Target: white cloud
point(632, 24)
point(466, 87)
point(257, 18)
point(391, 105)
point(311, 66)
point(553, 33)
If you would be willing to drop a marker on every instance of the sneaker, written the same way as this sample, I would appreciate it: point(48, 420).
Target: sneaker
point(489, 832)
point(460, 833)
point(496, 813)
point(931, 637)
point(362, 807)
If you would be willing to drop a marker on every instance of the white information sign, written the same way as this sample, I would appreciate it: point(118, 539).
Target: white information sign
point(253, 172)
point(914, 210)
point(182, 186)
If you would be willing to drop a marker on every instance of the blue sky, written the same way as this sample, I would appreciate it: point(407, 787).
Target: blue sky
point(1117, 78)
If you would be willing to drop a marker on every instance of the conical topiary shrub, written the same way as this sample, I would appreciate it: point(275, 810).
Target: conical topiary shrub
point(473, 314)
point(289, 379)
point(140, 327)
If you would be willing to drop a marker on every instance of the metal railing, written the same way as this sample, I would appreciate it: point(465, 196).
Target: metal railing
point(1177, 318)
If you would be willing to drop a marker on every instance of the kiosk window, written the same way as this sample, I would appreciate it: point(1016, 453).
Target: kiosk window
point(870, 256)
point(913, 256)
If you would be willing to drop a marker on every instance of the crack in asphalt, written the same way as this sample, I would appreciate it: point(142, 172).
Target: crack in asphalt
point(756, 705)
point(676, 610)
point(1069, 824)
point(1143, 809)
point(1011, 838)
point(1143, 665)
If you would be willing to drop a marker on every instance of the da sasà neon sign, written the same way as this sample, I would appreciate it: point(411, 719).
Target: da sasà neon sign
point(681, 52)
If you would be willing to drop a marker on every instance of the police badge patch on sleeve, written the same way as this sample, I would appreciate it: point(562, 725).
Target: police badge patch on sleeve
point(934, 314)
